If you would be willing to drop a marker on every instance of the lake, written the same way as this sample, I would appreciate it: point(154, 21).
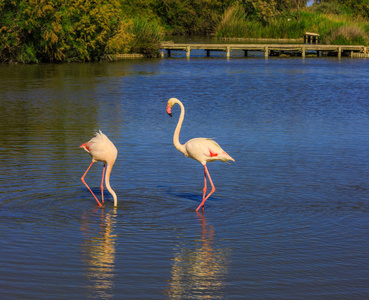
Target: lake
point(288, 220)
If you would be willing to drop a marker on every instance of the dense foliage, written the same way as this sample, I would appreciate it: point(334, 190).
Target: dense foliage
point(337, 21)
point(74, 30)
point(57, 30)
point(33, 31)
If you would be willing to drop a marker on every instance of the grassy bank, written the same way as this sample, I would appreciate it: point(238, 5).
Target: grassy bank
point(333, 28)
point(81, 30)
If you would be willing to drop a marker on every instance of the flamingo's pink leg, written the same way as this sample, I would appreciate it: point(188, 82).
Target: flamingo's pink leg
point(83, 180)
point(203, 191)
point(206, 173)
point(205, 187)
point(102, 184)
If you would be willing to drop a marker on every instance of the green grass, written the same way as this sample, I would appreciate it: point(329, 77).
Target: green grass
point(333, 28)
point(147, 37)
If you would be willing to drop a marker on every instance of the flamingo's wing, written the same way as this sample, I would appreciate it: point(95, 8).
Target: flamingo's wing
point(206, 150)
point(216, 152)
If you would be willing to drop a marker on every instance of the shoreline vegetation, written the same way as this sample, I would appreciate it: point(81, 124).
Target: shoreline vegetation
point(37, 31)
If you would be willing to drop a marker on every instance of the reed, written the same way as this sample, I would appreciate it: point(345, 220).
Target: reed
point(147, 37)
point(334, 28)
point(347, 35)
point(235, 24)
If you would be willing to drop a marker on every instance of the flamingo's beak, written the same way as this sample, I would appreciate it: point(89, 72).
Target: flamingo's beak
point(169, 110)
point(85, 146)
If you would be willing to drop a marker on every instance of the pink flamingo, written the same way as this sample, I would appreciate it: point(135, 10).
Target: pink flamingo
point(101, 149)
point(201, 149)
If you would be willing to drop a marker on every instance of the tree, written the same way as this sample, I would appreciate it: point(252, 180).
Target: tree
point(58, 30)
point(265, 11)
point(355, 7)
point(190, 16)
point(291, 8)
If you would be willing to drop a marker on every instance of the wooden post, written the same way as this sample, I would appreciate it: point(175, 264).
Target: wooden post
point(266, 52)
point(339, 52)
point(168, 51)
point(311, 38)
point(303, 52)
point(207, 53)
point(188, 51)
point(228, 52)
point(246, 53)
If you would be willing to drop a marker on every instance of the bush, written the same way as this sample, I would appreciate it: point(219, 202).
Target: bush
point(333, 28)
point(61, 31)
point(189, 17)
point(328, 8)
point(121, 42)
point(346, 35)
point(234, 23)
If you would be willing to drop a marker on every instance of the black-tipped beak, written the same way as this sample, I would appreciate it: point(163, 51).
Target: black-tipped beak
point(169, 109)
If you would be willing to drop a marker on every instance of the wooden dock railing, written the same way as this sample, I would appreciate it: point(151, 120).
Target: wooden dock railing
point(311, 38)
point(268, 49)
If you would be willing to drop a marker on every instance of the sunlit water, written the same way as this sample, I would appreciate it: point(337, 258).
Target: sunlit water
point(289, 219)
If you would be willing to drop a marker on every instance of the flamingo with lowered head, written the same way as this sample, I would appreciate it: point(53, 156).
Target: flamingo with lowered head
point(201, 149)
point(101, 149)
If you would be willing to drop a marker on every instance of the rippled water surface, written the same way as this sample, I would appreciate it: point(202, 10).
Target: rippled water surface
point(289, 219)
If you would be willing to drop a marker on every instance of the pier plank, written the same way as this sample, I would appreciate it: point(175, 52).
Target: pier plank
point(266, 48)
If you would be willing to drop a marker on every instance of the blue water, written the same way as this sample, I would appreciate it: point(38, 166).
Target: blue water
point(288, 220)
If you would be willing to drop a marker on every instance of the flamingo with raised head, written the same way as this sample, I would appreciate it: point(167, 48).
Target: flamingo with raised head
point(201, 149)
point(101, 149)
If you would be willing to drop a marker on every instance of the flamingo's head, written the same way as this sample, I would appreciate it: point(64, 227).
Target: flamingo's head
point(170, 104)
point(85, 146)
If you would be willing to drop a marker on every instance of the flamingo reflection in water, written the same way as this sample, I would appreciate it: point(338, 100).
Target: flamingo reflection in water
point(199, 271)
point(99, 251)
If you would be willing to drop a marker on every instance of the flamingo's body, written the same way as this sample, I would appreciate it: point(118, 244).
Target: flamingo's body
point(101, 149)
point(201, 149)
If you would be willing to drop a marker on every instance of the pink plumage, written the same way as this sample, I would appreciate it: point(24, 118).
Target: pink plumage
point(101, 149)
point(201, 149)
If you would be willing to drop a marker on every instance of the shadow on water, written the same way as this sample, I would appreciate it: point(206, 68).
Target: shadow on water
point(192, 196)
point(199, 267)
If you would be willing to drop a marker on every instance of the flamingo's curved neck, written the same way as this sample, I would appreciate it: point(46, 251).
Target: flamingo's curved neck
point(109, 167)
point(176, 142)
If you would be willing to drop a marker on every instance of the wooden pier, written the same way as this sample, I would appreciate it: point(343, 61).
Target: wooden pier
point(311, 38)
point(269, 49)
